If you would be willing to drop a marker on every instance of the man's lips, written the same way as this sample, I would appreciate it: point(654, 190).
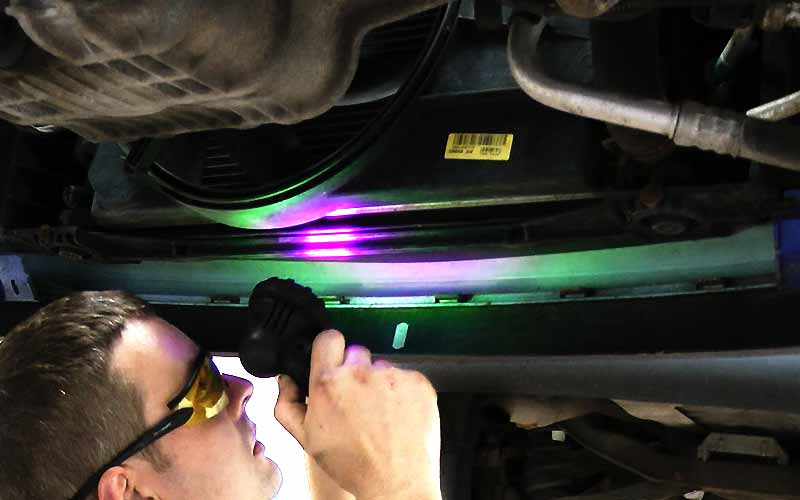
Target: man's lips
point(259, 449)
point(251, 435)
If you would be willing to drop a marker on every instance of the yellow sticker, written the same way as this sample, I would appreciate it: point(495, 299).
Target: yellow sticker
point(479, 147)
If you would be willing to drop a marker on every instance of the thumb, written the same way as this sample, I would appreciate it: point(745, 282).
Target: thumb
point(290, 411)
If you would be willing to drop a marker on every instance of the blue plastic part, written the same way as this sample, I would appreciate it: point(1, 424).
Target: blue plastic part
point(787, 239)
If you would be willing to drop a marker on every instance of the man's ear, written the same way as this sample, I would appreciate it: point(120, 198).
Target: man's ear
point(117, 483)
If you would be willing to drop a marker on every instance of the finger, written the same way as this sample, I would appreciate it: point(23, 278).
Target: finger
point(382, 364)
point(327, 353)
point(290, 412)
point(289, 391)
point(357, 355)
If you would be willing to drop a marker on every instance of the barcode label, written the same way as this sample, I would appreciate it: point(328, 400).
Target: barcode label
point(479, 147)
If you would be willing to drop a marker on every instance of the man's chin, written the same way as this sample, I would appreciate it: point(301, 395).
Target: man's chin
point(273, 478)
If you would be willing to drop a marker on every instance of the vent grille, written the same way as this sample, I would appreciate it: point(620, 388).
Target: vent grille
point(322, 136)
point(221, 170)
point(408, 36)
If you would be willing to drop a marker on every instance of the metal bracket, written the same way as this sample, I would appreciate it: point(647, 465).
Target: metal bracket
point(737, 444)
point(14, 282)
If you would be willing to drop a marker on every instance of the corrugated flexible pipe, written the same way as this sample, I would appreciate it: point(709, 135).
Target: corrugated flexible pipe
point(687, 124)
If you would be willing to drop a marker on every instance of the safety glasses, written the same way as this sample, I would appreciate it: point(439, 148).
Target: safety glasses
point(203, 397)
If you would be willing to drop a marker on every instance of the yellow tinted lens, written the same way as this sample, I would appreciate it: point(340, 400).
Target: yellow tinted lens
point(207, 395)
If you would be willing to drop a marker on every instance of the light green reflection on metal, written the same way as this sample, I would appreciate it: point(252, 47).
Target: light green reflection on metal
point(400, 334)
point(310, 205)
point(749, 253)
point(391, 301)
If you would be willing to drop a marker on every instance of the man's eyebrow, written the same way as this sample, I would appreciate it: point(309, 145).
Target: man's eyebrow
point(192, 369)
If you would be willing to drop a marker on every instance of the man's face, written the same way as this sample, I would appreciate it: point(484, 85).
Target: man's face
point(216, 459)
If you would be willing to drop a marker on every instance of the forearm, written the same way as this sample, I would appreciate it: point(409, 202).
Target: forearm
point(321, 486)
point(426, 490)
point(411, 495)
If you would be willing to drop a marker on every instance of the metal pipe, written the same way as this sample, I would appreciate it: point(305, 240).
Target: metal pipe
point(688, 124)
point(732, 54)
point(777, 110)
point(755, 380)
point(650, 115)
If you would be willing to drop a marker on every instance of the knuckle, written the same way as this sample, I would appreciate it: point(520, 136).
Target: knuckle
point(387, 376)
point(382, 364)
point(361, 373)
point(325, 381)
point(419, 378)
point(424, 384)
point(357, 349)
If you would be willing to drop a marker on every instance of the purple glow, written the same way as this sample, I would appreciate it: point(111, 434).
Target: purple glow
point(381, 209)
point(321, 243)
point(338, 230)
point(330, 238)
point(335, 235)
point(328, 252)
point(343, 212)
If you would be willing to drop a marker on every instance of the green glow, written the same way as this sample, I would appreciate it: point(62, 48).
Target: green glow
point(309, 205)
point(400, 334)
point(749, 253)
point(392, 301)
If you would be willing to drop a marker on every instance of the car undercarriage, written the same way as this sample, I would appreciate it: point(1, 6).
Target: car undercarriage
point(577, 217)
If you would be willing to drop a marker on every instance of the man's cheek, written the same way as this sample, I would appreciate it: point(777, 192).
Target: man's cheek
point(226, 440)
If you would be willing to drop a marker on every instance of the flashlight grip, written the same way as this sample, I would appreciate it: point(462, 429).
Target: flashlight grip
point(284, 319)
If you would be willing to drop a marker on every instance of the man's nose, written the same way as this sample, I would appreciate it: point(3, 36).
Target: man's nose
point(239, 392)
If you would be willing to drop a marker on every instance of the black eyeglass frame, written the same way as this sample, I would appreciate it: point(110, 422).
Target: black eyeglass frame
point(161, 429)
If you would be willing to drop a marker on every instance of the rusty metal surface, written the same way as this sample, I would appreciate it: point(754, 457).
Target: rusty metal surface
point(640, 491)
point(535, 413)
point(121, 70)
point(780, 15)
point(663, 413)
point(647, 462)
point(745, 421)
point(760, 447)
point(587, 8)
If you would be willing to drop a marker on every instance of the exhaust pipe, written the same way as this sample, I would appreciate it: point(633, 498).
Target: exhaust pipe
point(688, 124)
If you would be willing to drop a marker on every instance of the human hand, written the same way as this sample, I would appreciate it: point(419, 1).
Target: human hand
point(372, 427)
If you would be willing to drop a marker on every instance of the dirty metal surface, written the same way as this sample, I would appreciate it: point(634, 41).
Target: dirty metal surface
point(122, 70)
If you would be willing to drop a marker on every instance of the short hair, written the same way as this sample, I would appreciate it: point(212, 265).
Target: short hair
point(64, 411)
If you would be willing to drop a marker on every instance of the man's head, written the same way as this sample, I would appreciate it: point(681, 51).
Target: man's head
point(86, 376)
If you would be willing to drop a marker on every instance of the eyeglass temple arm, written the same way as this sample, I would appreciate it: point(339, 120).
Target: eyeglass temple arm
point(196, 367)
point(164, 427)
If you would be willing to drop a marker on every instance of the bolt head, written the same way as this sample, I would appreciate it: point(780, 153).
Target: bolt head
point(669, 227)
